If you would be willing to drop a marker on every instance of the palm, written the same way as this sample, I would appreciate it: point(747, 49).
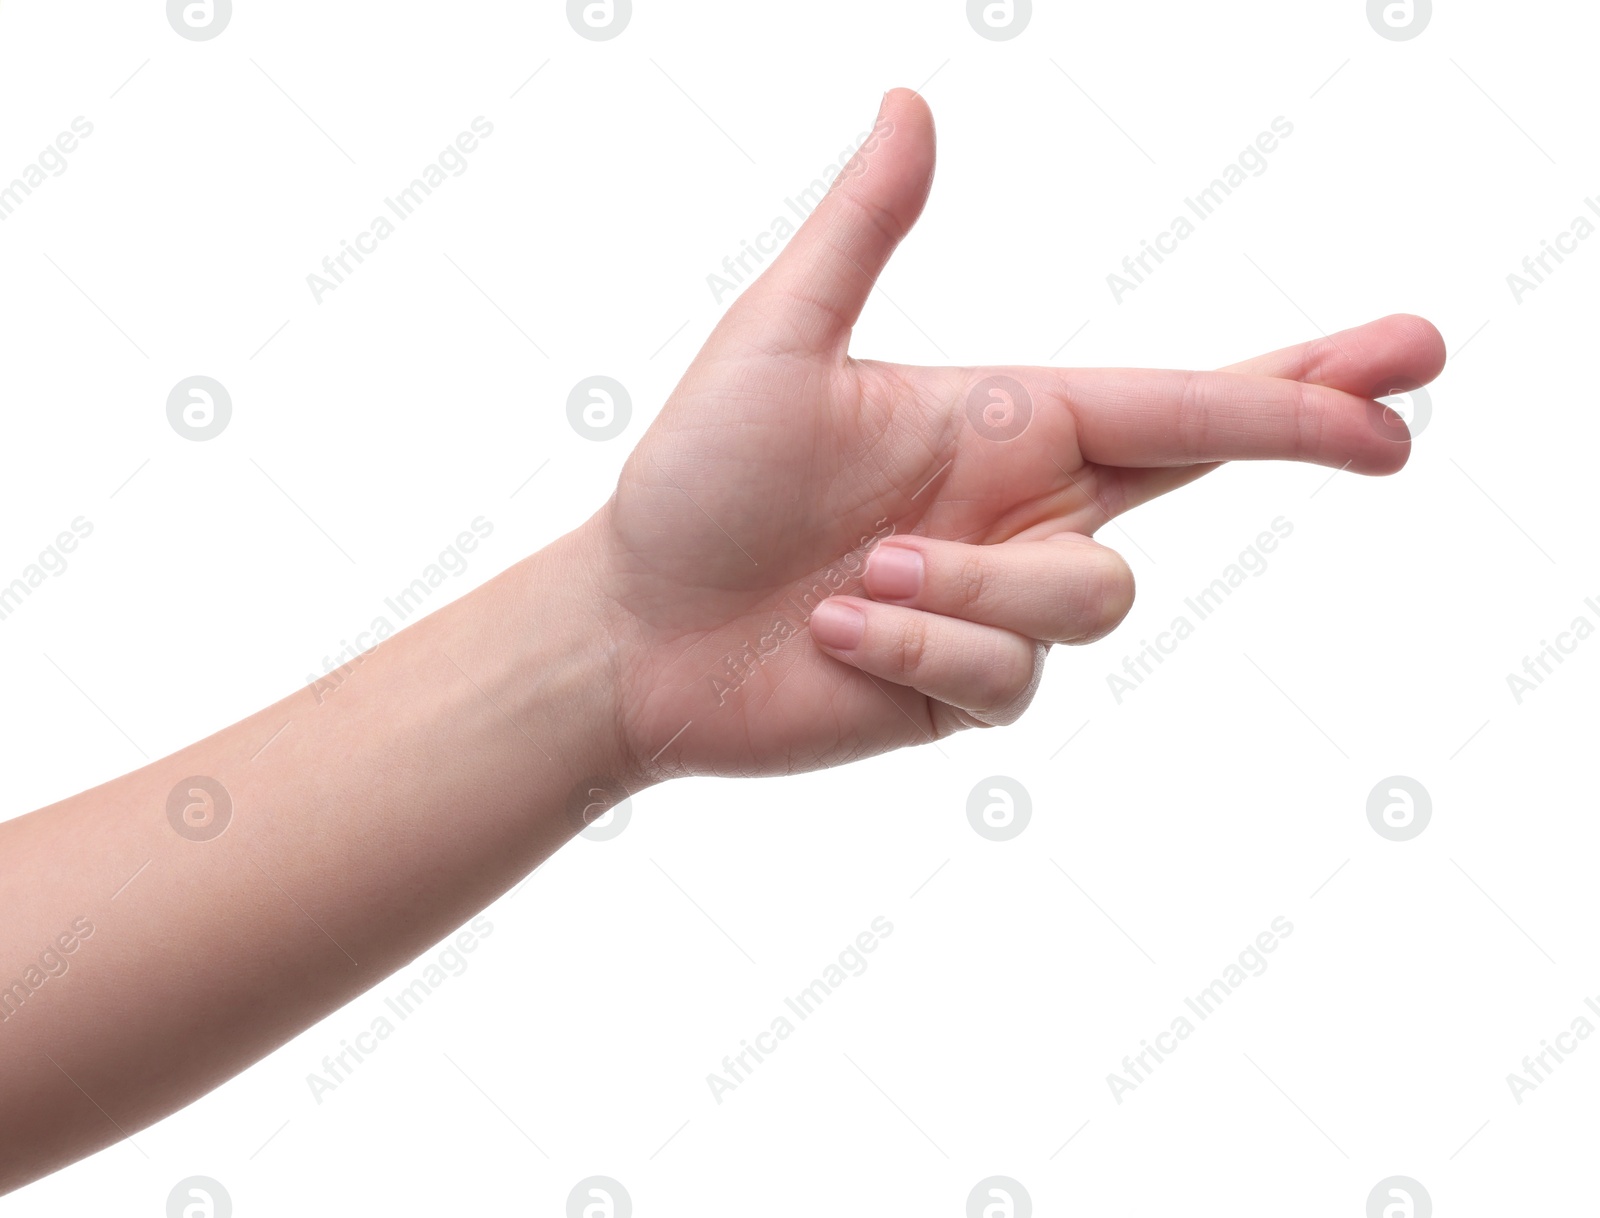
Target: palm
point(812, 466)
point(779, 462)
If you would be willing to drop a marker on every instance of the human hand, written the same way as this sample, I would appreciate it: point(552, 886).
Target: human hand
point(780, 462)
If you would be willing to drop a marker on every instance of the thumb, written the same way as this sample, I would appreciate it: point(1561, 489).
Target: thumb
point(810, 297)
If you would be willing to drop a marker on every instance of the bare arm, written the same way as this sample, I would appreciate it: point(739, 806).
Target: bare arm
point(429, 782)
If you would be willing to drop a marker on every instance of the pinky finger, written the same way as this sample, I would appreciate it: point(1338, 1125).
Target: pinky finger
point(989, 673)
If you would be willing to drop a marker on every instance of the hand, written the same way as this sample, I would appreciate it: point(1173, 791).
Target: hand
point(781, 479)
point(731, 556)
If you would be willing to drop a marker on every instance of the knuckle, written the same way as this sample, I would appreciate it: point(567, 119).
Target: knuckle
point(1008, 685)
point(1308, 420)
point(908, 645)
point(1322, 358)
point(865, 203)
point(1192, 420)
point(969, 581)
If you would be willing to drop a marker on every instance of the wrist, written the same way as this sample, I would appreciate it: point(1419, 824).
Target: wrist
point(572, 666)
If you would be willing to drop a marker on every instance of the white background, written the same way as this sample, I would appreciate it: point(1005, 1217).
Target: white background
point(369, 429)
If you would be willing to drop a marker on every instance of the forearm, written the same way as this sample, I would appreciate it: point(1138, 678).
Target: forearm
point(367, 821)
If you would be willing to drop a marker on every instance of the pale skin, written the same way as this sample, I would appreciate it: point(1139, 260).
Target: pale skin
point(465, 750)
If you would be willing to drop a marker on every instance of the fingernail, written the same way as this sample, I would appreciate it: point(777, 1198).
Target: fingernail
point(837, 625)
point(894, 573)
